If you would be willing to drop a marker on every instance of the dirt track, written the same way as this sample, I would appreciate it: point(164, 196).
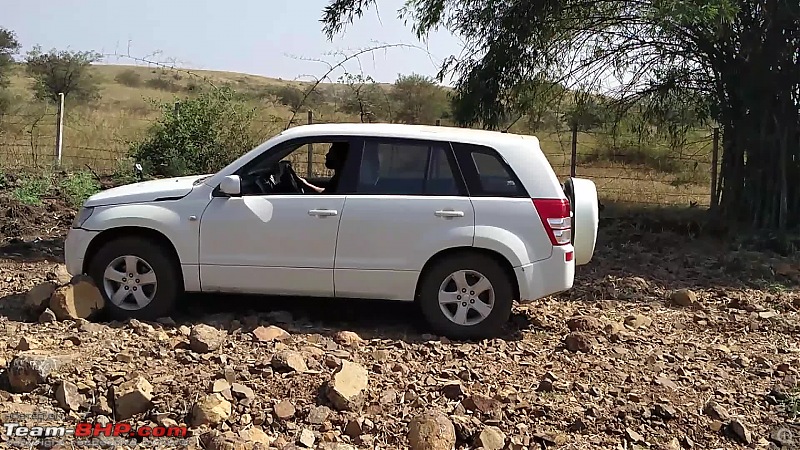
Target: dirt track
point(638, 370)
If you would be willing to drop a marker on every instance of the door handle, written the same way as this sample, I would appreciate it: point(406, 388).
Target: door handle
point(449, 213)
point(322, 212)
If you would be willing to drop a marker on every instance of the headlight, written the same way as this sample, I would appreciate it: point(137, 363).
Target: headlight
point(81, 217)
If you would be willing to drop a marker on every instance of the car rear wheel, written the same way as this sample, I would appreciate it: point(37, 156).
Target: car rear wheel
point(466, 296)
point(137, 279)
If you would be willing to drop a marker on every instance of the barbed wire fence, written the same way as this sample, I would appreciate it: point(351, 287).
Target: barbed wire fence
point(625, 172)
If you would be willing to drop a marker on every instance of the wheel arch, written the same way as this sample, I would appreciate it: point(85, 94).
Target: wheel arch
point(454, 251)
point(150, 234)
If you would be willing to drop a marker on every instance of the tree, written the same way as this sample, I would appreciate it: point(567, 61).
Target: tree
point(64, 72)
point(418, 99)
point(8, 48)
point(739, 54)
point(363, 96)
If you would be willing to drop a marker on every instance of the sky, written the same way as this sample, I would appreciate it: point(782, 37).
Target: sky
point(248, 36)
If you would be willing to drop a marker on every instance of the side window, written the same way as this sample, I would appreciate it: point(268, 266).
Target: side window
point(441, 180)
point(268, 174)
point(487, 174)
point(406, 168)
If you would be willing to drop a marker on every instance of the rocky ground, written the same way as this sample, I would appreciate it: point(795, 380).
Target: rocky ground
point(665, 342)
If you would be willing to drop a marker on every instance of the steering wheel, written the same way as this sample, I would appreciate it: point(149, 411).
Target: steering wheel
point(265, 183)
point(292, 180)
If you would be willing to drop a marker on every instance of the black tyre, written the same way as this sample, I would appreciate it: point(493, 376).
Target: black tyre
point(466, 296)
point(137, 278)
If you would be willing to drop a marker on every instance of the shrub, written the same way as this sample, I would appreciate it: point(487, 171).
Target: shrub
point(163, 84)
point(30, 189)
point(205, 134)
point(289, 96)
point(629, 150)
point(79, 186)
point(129, 77)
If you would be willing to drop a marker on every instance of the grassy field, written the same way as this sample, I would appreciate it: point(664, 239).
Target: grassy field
point(98, 136)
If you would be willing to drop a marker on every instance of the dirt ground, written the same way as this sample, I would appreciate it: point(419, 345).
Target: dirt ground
point(613, 363)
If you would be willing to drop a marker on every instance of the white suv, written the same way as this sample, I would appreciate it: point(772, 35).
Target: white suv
point(461, 221)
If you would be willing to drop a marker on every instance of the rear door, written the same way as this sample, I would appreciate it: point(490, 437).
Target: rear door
point(408, 203)
point(504, 210)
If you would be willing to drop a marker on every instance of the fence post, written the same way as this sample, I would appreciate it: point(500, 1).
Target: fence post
point(177, 109)
point(574, 159)
point(714, 160)
point(60, 129)
point(310, 147)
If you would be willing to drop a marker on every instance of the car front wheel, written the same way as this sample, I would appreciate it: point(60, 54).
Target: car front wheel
point(137, 279)
point(467, 296)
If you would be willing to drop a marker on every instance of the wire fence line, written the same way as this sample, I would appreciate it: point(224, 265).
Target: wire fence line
point(625, 169)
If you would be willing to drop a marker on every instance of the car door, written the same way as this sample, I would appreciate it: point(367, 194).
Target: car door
point(408, 203)
point(278, 244)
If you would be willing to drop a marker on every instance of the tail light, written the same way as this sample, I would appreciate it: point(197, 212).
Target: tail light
point(556, 218)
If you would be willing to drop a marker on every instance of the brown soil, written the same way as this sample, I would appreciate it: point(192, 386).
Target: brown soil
point(646, 378)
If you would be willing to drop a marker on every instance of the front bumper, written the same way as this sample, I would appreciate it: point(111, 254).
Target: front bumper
point(75, 247)
point(546, 277)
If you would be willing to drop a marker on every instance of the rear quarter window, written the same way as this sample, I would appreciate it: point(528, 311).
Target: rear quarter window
point(486, 173)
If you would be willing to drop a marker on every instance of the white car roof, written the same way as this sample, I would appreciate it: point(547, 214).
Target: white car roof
point(439, 133)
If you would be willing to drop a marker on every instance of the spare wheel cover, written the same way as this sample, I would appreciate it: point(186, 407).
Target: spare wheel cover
point(585, 218)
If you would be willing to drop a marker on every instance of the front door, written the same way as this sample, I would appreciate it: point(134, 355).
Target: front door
point(272, 243)
point(409, 203)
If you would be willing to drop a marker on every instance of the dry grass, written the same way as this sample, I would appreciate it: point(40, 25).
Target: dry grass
point(99, 135)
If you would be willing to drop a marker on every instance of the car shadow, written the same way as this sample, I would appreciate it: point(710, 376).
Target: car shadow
point(370, 319)
point(38, 250)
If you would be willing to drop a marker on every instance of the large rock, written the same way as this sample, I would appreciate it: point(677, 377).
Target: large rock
point(583, 323)
point(214, 440)
point(29, 369)
point(68, 396)
point(47, 316)
point(270, 334)
point(59, 274)
point(335, 446)
point(80, 299)
point(491, 438)
point(306, 438)
point(638, 321)
point(346, 387)
point(288, 361)
point(347, 338)
point(431, 431)
point(211, 410)
point(255, 435)
point(205, 338)
point(133, 397)
point(738, 431)
point(578, 341)
point(683, 297)
point(37, 299)
point(285, 410)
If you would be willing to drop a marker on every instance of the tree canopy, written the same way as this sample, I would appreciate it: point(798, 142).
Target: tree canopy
point(8, 47)
point(418, 100)
point(735, 62)
point(64, 72)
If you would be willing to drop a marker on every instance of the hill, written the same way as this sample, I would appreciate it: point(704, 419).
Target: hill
point(99, 135)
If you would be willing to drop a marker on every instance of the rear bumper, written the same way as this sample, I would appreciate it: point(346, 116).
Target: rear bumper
point(546, 277)
point(75, 247)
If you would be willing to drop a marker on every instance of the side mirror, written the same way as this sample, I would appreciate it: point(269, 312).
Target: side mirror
point(231, 185)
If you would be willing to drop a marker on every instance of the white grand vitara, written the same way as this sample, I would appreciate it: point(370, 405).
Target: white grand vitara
point(463, 222)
